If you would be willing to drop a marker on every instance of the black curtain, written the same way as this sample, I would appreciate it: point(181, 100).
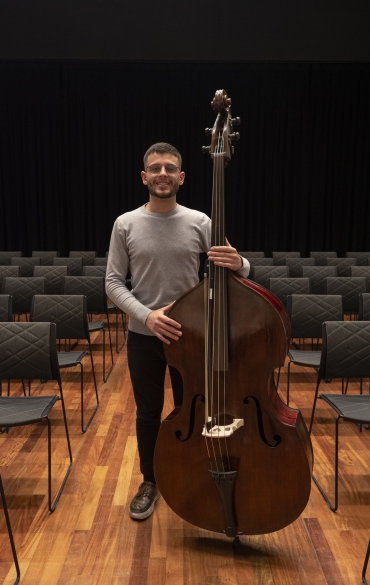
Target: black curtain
point(72, 136)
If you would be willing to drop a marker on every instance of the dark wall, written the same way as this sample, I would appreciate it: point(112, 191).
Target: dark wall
point(72, 136)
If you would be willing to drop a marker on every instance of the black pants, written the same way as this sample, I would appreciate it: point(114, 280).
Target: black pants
point(147, 365)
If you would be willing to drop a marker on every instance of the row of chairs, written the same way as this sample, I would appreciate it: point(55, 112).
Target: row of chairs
point(89, 258)
point(75, 265)
point(320, 258)
point(54, 275)
point(298, 268)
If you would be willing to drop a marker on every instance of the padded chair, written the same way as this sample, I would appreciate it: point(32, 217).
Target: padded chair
point(10, 532)
point(249, 255)
point(5, 257)
point(362, 271)
point(22, 290)
point(322, 257)
point(6, 308)
point(283, 287)
point(295, 266)
point(5, 271)
point(93, 287)
point(280, 258)
point(46, 258)
point(318, 276)
point(100, 261)
point(74, 264)
point(54, 278)
point(361, 257)
point(26, 264)
point(262, 274)
point(31, 353)
point(343, 265)
point(349, 288)
point(69, 313)
point(364, 307)
point(94, 271)
point(307, 314)
point(87, 257)
point(345, 354)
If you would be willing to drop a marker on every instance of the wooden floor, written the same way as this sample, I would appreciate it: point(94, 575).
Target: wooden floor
point(90, 539)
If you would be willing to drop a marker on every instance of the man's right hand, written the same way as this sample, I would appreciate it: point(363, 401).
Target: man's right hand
point(162, 326)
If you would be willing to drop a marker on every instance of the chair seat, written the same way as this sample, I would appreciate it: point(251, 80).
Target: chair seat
point(305, 358)
point(352, 408)
point(68, 359)
point(96, 326)
point(34, 408)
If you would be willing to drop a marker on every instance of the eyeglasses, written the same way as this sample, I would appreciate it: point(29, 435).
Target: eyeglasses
point(156, 169)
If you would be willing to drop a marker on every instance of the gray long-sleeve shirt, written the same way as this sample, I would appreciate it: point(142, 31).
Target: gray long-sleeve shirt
point(161, 252)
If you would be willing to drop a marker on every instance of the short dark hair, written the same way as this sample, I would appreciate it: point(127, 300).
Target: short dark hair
point(162, 148)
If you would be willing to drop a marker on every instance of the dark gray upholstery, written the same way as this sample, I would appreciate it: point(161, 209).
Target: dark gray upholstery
point(279, 258)
point(343, 265)
point(29, 351)
point(258, 262)
point(5, 257)
point(361, 257)
point(23, 290)
point(100, 261)
point(8, 271)
point(295, 266)
point(6, 308)
point(350, 288)
point(364, 307)
point(321, 257)
point(94, 271)
point(54, 278)
point(317, 276)
point(307, 314)
point(283, 287)
point(262, 274)
point(69, 314)
point(46, 258)
point(87, 257)
point(74, 264)
point(252, 254)
point(362, 271)
point(26, 264)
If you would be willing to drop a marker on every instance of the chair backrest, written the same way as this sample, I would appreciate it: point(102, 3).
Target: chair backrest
point(30, 350)
point(87, 257)
point(361, 257)
point(322, 257)
point(54, 278)
point(68, 312)
point(6, 310)
point(74, 264)
point(308, 312)
point(345, 350)
point(8, 271)
point(362, 271)
point(295, 266)
point(349, 288)
point(100, 261)
point(253, 262)
point(94, 271)
point(26, 264)
point(343, 265)
point(364, 307)
point(46, 258)
point(252, 254)
point(279, 258)
point(317, 276)
point(93, 287)
point(5, 257)
point(283, 287)
point(263, 273)
point(22, 290)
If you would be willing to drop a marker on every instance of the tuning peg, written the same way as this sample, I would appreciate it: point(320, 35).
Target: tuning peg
point(235, 121)
point(208, 131)
point(235, 136)
point(206, 149)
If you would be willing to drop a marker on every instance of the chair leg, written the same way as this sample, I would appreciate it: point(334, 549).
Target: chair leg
point(52, 506)
point(84, 428)
point(123, 329)
point(365, 564)
point(10, 532)
point(105, 377)
point(314, 406)
point(332, 507)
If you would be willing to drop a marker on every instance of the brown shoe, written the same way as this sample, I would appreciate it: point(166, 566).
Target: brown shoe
point(143, 503)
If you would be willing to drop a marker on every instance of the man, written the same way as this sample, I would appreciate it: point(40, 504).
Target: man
point(159, 244)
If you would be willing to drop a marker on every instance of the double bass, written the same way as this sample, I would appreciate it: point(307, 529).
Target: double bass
point(233, 458)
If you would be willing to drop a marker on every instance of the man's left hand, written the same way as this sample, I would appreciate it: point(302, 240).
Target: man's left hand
point(225, 256)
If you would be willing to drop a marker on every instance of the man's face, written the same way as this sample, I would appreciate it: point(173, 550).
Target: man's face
point(162, 183)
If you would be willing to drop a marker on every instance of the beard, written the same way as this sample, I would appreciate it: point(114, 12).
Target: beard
point(160, 195)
